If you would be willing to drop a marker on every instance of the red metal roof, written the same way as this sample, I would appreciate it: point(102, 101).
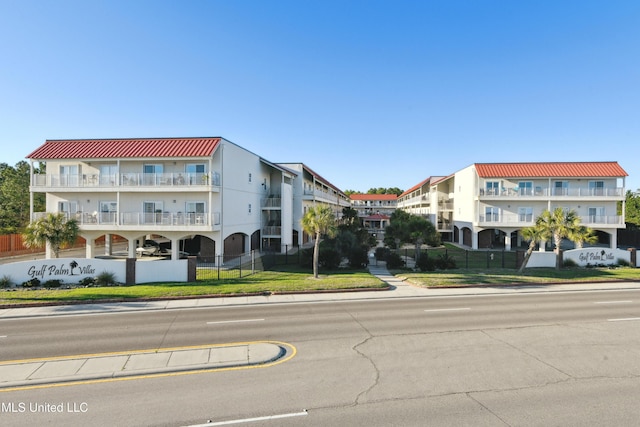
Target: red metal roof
point(125, 148)
point(554, 169)
point(415, 187)
point(373, 197)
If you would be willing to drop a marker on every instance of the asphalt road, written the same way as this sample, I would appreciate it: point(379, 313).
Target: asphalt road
point(522, 359)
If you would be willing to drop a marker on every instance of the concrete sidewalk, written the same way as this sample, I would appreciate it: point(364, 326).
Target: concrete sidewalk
point(34, 372)
point(398, 289)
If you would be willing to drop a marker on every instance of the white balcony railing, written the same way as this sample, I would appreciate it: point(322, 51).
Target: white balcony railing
point(545, 192)
point(127, 180)
point(526, 220)
point(141, 218)
point(272, 202)
point(272, 230)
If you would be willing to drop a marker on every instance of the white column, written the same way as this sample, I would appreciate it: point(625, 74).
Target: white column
point(474, 239)
point(507, 241)
point(132, 248)
point(614, 239)
point(175, 249)
point(89, 247)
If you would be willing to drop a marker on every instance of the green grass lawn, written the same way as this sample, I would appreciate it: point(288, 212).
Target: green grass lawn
point(290, 279)
point(465, 277)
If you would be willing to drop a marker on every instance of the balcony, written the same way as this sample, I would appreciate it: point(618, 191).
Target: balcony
point(100, 220)
point(513, 220)
point(146, 180)
point(271, 202)
point(546, 193)
point(422, 200)
point(271, 231)
point(528, 220)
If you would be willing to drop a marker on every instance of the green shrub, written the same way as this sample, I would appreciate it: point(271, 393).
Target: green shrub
point(329, 258)
point(53, 283)
point(569, 263)
point(425, 263)
point(623, 262)
point(33, 283)
point(359, 257)
point(445, 262)
point(105, 279)
point(5, 282)
point(394, 261)
point(382, 254)
point(87, 281)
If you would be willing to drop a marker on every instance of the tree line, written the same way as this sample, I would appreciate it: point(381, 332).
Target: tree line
point(14, 197)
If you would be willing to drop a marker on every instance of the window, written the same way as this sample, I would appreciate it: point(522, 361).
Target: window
point(195, 212)
point(152, 212)
point(108, 174)
point(596, 188)
point(69, 175)
point(152, 173)
point(525, 188)
point(249, 176)
point(525, 214)
point(196, 173)
point(108, 212)
point(596, 215)
point(69, 208)
point(493, 188)
point(492, 214)
point(249, 208)
point(561, 188)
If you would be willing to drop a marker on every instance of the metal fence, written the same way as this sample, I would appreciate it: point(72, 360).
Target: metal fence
point(242, 265)
point(469, 259)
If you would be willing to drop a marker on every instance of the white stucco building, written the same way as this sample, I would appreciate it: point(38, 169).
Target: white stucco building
point(206, 196)
point(486, 204)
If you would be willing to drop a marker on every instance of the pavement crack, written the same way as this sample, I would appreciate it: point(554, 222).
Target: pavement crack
point(534, 357)
point(364, 355)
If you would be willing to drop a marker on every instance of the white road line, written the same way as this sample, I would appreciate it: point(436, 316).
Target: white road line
point(250, 420)
point(613, 302)
point(234, 321)
point(447, 309)
point(3, 336)
point(628, 319)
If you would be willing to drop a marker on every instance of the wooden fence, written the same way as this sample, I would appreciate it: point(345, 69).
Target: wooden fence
point(13, 245)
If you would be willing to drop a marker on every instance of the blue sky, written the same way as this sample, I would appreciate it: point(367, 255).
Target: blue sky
point(366, 93)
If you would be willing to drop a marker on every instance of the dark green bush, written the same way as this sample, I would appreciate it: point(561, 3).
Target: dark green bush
point(329, 258)
point(445, 262)
point(53, 283)
point(426, 263)
point(33, 283)
point(359, 257)
point(105, 279)
point(5, 282)
point(382, 253)
point(394, 261)
point(87, 281)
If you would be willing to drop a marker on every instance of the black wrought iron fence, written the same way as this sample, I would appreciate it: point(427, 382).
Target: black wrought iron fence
point(233, 266)
point(463, 258)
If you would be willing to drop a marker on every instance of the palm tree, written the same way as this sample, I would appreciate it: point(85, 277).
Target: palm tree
point(318, 221)
point(53, 229)
point(561, 224)
point(582, 235)
point(533, 234)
